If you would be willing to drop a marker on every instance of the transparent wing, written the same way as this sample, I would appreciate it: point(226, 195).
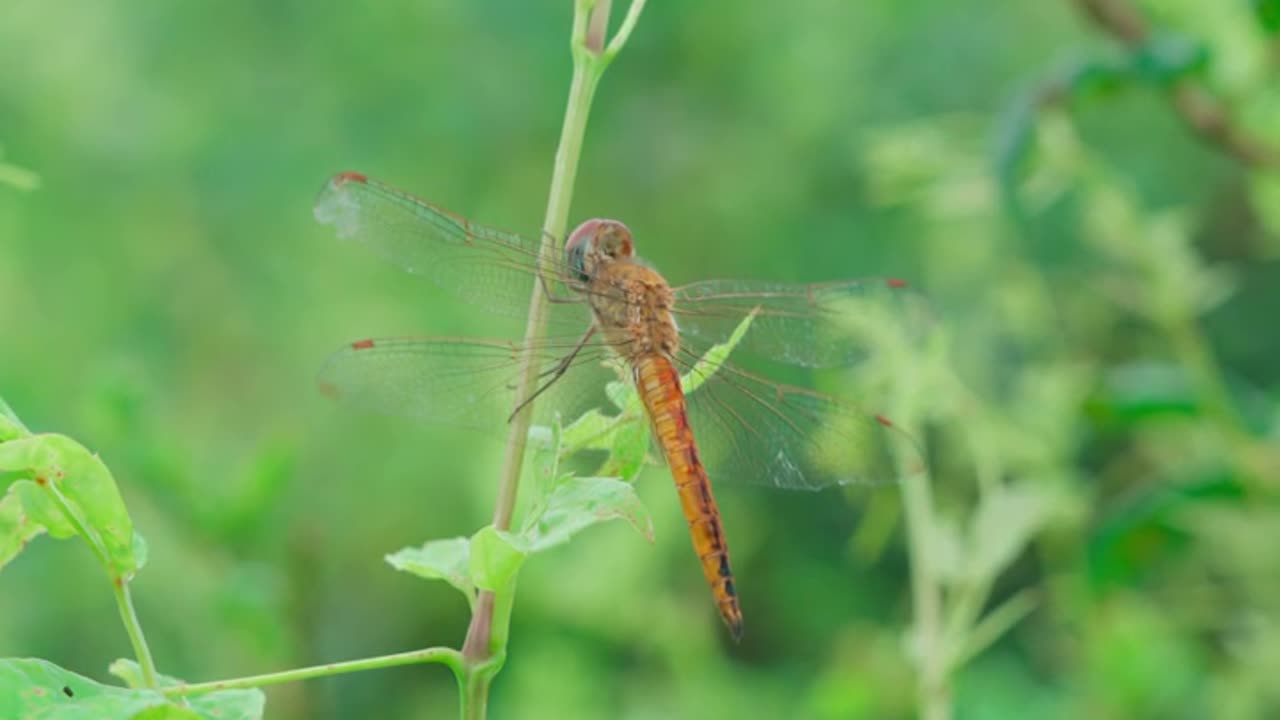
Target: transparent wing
point(796, 324)
point(486, 267)
point(753, 430)
point(459, 381)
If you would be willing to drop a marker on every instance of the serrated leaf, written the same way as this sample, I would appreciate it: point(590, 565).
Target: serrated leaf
point(246, 704)
point(16, 528)
point(58, 463)
point(580, 503)
point(448, 560)
point(496, 557)
point(31, 688)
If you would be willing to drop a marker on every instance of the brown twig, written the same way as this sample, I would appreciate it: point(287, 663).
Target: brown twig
point(1197, 107)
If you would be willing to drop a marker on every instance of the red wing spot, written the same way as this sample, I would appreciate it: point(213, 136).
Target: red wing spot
point(40, 480)
point(343, 178)
point(884, 421)
point(896, 283)
point(330, 390)
point(362, 345)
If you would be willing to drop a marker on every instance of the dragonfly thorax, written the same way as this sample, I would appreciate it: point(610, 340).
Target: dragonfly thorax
point(632, 306)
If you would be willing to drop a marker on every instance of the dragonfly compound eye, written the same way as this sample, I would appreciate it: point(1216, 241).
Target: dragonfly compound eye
point(575, 250)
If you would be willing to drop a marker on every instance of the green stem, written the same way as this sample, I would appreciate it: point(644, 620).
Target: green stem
point(124, 601)
point(446, 656)
point(119, 586)
point(994, 625)
point(932, 691)
point(589, 61)
point(485, 645)
point(475, 695)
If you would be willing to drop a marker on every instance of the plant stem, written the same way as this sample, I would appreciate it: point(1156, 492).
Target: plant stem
point(443, 655)
point(932, 692)
point(589, 61)
point(119, 585)
point(929, 642)
point(474, 695)
point(124, 601)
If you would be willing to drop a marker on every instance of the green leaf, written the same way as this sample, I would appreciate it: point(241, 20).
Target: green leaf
point(546, 459)
point(75, 490)
point(129, 671)
point(18, 177)
point(41, 508)
point(710, 362)
point(31, 688)
point(448, 560)
point(622, 395)
point(591, 431)
point(628, 451)
point(10, 426)
point(1136, 392)
point(496, 557)
point(580, 503)
point(16, 527)
point(1005, 521)
point(1268, 12)
point(166, 712)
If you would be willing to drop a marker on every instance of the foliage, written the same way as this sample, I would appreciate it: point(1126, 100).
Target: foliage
point(1097, 396)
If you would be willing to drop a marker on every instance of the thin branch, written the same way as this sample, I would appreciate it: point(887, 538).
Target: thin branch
point(1198, 108)
point(129, 616)
point(486, 637)
point(624, 30)
point(445, 656)
point(597, 27)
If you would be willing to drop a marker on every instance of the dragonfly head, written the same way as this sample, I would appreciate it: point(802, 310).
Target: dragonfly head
point(595, 242)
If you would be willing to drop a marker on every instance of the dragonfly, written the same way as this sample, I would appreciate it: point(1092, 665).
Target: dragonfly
point(609, 309)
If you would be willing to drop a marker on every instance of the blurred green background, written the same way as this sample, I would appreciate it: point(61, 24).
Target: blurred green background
point(1103, 399)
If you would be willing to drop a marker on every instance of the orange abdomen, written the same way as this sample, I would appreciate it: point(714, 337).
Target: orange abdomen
point(658, 384)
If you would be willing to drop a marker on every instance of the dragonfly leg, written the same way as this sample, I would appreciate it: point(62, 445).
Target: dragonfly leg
point(556, 372)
